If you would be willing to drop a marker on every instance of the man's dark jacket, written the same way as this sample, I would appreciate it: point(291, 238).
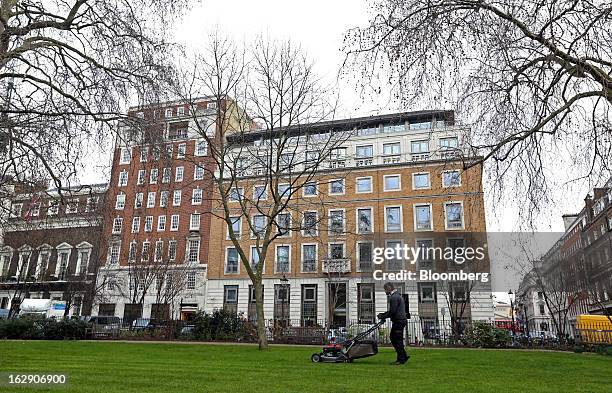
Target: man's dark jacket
point(397, 310)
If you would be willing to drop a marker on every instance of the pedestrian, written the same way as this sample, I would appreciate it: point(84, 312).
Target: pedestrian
point(397, 314)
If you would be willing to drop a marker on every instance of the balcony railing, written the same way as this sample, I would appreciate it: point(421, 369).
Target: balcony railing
point(342, 265)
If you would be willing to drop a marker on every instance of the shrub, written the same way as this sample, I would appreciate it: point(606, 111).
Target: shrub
point(578, 349)
point(220, 325)
point(483, 335)
point(38, 328)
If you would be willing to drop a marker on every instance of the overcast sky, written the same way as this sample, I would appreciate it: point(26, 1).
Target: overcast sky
point(318, 26)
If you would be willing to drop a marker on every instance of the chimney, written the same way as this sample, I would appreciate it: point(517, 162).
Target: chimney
point(568, 220)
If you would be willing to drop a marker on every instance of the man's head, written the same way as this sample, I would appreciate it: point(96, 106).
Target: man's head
point(388, 287)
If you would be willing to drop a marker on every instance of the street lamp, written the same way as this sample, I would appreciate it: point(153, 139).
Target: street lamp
point(511, 295)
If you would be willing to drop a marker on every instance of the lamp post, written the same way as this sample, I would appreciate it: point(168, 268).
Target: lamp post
point(511, 295)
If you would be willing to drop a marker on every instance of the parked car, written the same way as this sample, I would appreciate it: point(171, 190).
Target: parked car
point(103, 325)
point(148, 324)
point(4, 313)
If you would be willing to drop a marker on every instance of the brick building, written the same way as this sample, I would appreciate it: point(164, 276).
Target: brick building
point(157, 229)
point(577, 271)
point(51, 246)
point(398, 179)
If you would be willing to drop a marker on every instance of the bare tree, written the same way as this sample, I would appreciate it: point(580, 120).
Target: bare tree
point(266, 147)
point(67, 69)
point(533, 77)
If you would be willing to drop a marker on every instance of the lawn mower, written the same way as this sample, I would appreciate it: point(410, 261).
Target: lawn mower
point(349, 350)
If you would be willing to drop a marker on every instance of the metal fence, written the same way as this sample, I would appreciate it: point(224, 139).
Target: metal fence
point(318, 332)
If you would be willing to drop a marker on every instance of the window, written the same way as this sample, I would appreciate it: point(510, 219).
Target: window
point(419, 146)
point(53, 208)
point(282, 304)
point(163, 198)
point(168, 112)
point(427, 292)
point(363, 184)
point(180, 111)
point(193, 250)
point(153, 176)
point(425, 257)
point(449, 143)
point(176, 198)
point(231, 261)
point(196, 196)
point(260, 193)
point(364, 220)
point(194, 222)
point(364, 256)
point(309, 304)
point(191, 280)
point(392, 182)
point(336, 251)
point(336, 222)
point(126, 156)
point(174, 222)
point(283, 190)
point(421, 181)
point(422, 218)
point(34, 209)
point(113, 254)
point(255, 253)
point(365, 303)
point(393, 219)
point(138, 200)
point(198, 173)
point(151, 199)
point(310, 189)
point(120, 202)
point(310, 224)
point(282, 259)
point(180, 151)
point(144, 153)
point(142, 174)
point(123, 178)
point(451, 179)
point(336, 187)
point(135, 224)
point(338, 154)
point(43, 263)
point(230, 298)
point(161, 223)
point(179, 172)
point(454, 215)
point(394, 263)
point(145, 250)
point(166, 174)
point(132, 251)
point(159, 250)
point(283, 224)
point(541, 309)
point(172, 250)
point(201, 147)
point(259, 225)
point(16, 210)
point(236, 194)
point(364, 151)
point(390, 149)
point(62, 264)
point(236, 224)
point(117, 224)
point(148, 227)
point(309, 258)
point(72, 206)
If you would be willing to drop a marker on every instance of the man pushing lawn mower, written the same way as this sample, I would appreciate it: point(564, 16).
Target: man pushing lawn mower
point(397, 314)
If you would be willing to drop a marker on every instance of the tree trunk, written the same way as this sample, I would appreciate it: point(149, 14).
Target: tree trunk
point(262, 339)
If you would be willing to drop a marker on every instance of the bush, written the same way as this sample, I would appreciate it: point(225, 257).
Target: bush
point(483, 335)
point(38, 328)
point(578, 349)
point(220, 325)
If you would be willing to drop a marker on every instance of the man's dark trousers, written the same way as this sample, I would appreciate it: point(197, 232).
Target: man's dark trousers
point(397, 339)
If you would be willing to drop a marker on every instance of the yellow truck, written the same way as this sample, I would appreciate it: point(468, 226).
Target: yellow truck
point(594, 329)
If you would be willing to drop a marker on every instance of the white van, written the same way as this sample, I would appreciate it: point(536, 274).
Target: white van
point(44, 307)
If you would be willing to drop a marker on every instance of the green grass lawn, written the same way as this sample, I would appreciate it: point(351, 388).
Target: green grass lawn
point(133, 367)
